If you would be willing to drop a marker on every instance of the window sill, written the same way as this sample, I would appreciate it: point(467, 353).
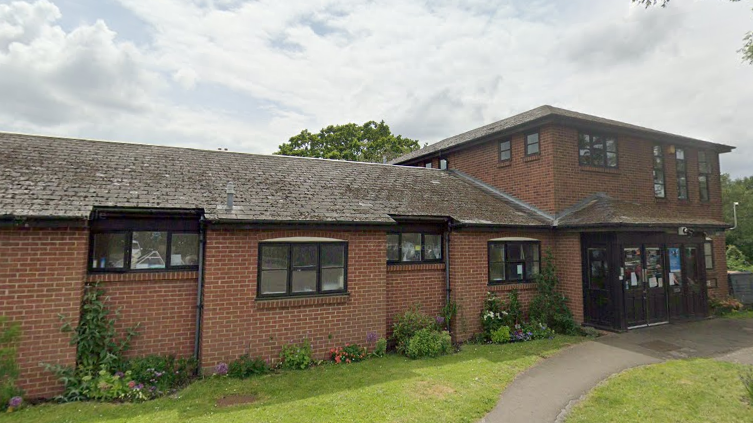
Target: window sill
point(532, 157)
point(505, 163)
point(413, 267)
point(509, 286)
point(291, 302)
point(598, 169)
point(142, 276)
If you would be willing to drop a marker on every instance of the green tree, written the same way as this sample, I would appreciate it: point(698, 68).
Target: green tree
point(746, 50)
point(370, 142)
point(741, 191)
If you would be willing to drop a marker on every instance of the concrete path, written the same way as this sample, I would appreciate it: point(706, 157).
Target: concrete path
point(545, 392)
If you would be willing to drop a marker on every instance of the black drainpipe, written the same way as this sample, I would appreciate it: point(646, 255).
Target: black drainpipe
point(200, 292)
point(447, 266)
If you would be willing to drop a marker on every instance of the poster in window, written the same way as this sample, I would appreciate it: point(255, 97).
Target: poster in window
point(674, 260)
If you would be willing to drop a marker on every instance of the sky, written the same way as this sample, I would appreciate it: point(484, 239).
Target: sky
point(248, 75)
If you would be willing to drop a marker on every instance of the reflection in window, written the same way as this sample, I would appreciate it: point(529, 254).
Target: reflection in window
point(410, 247)
point(659, 181)
point(597, 150)
point(504, 150)
point(682, 174)
point(708, 255)
point(144, 250)
point(302, 268)
point(513, 261)
point(597, 265)
point(148, 250)
point(704, 169)
point(108, 251)
point(532, 144)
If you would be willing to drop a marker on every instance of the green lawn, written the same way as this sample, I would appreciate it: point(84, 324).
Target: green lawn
point(745, 314)
point(688, 391)
point(457, 388)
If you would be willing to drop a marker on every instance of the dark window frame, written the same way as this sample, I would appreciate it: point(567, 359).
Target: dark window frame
point(128, 253)
point(526, 144)
point(663, 168)
point(506, 261)
point(711, 255)
point(289, 283)
point(682, 173)
point(508, 150)
point(705, 176)
point(604, 136)
point(423, 243)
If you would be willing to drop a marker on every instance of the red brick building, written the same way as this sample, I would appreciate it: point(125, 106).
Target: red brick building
point(220, 254)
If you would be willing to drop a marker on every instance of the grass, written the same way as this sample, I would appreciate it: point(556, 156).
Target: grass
point(744, 314)
point(688, 391)
point(460, 387)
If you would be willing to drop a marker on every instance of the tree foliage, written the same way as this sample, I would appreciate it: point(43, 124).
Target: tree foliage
point(741, 191)
point(370, 142)
point(747, 48)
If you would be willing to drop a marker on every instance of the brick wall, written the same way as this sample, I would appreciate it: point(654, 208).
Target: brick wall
point(414, 284)
point(41, 276)
point(567, 258)
point(236, 323)
point(469, 275)
point(720, 268)
point(164, 304)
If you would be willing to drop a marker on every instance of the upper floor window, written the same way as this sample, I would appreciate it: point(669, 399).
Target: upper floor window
point(532, 144)
point(138, 250)
point(513, 261)
point(682, 174)
point(427, 165)
point(411, 247)
point(443, 164)
point(704, 169)
point(302, 268)
point(505, 150)
point(660, 190)
point(597, 150)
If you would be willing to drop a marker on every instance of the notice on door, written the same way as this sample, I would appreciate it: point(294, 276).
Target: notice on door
point(674, 260)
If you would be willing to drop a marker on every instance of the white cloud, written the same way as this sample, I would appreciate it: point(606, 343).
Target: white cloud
point(430, 69)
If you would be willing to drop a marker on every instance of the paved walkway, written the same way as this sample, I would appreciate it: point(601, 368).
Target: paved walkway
point(545, 392)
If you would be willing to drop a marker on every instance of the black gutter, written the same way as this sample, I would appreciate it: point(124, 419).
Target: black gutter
point(641, 225)
point(43, 222)
point(200, 293)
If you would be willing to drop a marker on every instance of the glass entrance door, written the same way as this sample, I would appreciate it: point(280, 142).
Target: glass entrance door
point(643, 280)
point(694, 289)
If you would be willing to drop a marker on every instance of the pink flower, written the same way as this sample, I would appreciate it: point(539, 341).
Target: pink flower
point(131, 384)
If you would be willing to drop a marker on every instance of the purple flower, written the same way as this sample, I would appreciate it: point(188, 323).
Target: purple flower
point(15, 402)
point(140, 386)
point(371, 337)
point(221, 369)
point(119, 374)
point(440, 320)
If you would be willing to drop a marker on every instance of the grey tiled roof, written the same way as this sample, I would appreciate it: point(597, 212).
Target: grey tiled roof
point(65, 178)
point(602, 210)
point(537, 114)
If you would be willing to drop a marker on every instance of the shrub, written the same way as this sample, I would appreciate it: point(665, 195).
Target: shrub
point(106, 386)
point(736, 260)
point(408, 324)
point(348, 354)
point(723, 306)
point(428, 343)
point(380, 348)
point(501, 335)
point(161, 374)
point(245, 366)
point(296, 356)
point(548, 305)
point(497, 313)
point(448, 313)
point(10, 333)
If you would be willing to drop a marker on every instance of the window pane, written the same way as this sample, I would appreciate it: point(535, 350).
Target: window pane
point(532, 138)
point(443, 164)
point(333, 255)
point(514, 271)
point(428, 165)
point(497, 272)
point(703, 182)
point(504, 150)
point(681, 166)
point(532, 149)
point(184, 250)
point(682, 187)
point(584, 149)
point(515, 252)
point(597, 268)
point(333, 279)
point(680, 154)
point(274, 257)
point(497, 253)
point(611, 145)
point(597, 152)
point(274, 281)
point(504, 155)
point(304, 256)
point(411, 248)
point(432, 247)
point(108, 251)
point(612, 159)
point(393, 247)
point(709, 255)
point(531, 251)
point(304, 281)
point(148, 250)
point(659, 190)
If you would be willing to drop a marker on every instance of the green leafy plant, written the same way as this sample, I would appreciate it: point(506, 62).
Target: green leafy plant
point(408, 324)
point(380, 348)
point(725, 305)
point(448, 313)
point(747, 380)
point(497, 313)
point(296, 356)
point(736, 260)
point(161, 374)
point(549, 306)
point(99, 346)
point(501, 335)
point(10, 334)
point(428, 343)
point(245, 366)
point(106, 386)
point(350, 353)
